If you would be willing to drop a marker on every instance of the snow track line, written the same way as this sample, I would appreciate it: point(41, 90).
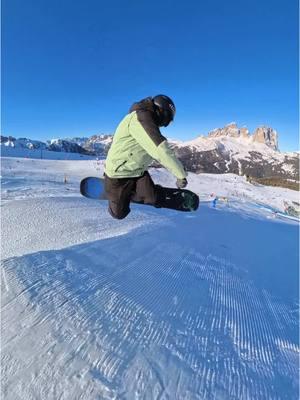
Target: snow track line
point(4, 280)
point(22, 293)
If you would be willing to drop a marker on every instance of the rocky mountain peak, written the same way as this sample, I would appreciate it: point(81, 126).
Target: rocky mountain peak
point(230, 130)
point(244, 132)
point(262, 134)
point(267, 135)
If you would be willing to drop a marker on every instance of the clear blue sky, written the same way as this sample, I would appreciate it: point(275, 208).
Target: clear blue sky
point(73, 67)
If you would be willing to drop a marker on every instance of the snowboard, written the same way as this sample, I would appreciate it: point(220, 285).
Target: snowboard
point(179, 199)
point(93, 188)
point(175, 199)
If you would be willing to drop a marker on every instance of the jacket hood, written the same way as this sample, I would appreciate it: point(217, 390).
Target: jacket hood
point(146, 105)
point(143, 105)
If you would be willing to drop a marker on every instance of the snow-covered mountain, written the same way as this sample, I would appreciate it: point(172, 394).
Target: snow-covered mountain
point(22, 143)
point(232, 149)
point(95, 144)
point(66, 146)
point(58, 145)
point(98, 144)
point(228, 149)
point(78, 140)
point(262, 134)
point(224, 150)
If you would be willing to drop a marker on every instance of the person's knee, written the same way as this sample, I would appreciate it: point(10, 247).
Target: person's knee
point(118, 216)
point(118, 213)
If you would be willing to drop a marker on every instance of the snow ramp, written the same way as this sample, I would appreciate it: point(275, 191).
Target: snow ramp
point(161, 305)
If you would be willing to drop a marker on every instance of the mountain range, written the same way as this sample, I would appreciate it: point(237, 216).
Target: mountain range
point(224, 150)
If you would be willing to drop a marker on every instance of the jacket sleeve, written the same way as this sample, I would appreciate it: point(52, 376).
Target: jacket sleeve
point(144, 130)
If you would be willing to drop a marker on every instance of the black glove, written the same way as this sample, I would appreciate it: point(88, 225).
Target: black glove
point(181, 183)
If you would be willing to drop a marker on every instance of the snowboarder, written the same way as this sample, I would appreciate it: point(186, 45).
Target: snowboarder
point(136, 143)
point(214, 202)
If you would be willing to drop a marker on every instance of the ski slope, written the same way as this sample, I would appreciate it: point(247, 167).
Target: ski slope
point(161, 305)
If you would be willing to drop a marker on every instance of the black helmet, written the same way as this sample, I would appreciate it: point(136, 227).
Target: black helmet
point(166, 109)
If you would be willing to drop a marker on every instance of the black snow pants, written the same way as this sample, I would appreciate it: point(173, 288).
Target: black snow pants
point(121, 191)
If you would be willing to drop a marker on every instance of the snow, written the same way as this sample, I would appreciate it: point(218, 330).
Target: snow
point(161, 305)
point(288, 168)
point(200, 143)
point(235, 188)
point(42, 154)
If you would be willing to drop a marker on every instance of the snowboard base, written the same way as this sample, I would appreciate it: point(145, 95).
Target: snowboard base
point(93, 188)
point(179, 199)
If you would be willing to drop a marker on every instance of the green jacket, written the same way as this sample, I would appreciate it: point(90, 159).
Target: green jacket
point(137, 142)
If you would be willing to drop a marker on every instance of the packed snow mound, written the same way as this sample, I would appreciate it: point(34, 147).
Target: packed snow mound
point(163, 304)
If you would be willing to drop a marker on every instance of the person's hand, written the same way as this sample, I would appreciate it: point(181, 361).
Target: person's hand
point(181, 183)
